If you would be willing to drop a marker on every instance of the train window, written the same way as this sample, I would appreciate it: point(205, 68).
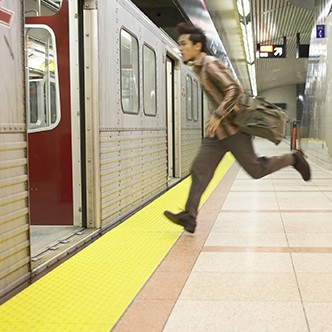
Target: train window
point(189, 110)
point(42, 7)
point(149, 81)
point(43, 87)
point(195, 100)
point(33, 101)
point(53, 102)
point(129, 73)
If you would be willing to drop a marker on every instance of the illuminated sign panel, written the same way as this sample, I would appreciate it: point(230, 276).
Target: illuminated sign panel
point(265, 48)
point(271, 51)
point(320, 31)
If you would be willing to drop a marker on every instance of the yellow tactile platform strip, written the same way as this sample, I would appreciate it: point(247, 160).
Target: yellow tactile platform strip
point(90, 291)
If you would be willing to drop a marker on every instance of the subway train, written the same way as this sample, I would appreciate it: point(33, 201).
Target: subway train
point(100, 117)
point(114, 105)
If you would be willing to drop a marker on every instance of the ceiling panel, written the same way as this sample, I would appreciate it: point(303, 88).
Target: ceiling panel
point(272, 21)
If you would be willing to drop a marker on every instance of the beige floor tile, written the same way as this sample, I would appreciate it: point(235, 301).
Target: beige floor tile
point(247, 239)
point(319, 316)
point(308, 226)
point(248, 217)
point(313, 263)
point(320, 179)
point(240, 226)
point(219, 316)
point(307, 216)
point(243, 262)
point(308, 222)
point(323, 184)
point(303, 201)
point(246, 201)
point(309, 239)
point(241, 287)
point(243, 175)
point(248, 222)
point(288, 173)
point(250, 184)
point(315, 287)
point(294, 185)
point(329, 195)
point(320, 174)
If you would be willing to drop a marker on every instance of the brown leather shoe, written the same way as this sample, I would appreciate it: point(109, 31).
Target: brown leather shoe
point(301, 165)
point(183, 219)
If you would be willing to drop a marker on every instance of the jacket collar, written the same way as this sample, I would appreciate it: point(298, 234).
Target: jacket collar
point(198, 63)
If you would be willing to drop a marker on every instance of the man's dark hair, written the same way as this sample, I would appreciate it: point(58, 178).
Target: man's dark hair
point(197, 35)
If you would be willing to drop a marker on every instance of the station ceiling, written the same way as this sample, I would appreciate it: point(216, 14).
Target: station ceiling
point(273, 22)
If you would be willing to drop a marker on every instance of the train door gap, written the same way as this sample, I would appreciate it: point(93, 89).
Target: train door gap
point(44, 237)
point(65, 242)
point(170, 120)
point(57, 204)
point(82, 113)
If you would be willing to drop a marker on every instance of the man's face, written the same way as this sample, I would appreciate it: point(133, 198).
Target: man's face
point(189, 51)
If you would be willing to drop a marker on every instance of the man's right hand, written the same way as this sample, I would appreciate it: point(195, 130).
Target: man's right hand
point(211, 125)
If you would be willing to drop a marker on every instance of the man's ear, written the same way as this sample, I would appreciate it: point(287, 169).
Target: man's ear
point(198, 46)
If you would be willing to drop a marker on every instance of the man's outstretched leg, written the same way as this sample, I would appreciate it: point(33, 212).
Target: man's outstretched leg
point(242, 148)
point(204, 166)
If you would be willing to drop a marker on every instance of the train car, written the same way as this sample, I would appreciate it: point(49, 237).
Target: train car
point(133, 136)
point(113, 119)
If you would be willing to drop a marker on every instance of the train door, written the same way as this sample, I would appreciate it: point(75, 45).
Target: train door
point(52, 171)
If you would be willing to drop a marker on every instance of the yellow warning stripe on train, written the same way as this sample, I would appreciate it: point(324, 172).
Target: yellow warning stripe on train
point(90, 291)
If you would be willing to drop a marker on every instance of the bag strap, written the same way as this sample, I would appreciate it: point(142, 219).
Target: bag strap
point(223, 116)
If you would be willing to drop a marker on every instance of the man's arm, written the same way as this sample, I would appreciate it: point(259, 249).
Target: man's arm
point(225, 84)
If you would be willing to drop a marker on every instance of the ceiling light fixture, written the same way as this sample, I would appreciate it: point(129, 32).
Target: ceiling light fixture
point(243, 7)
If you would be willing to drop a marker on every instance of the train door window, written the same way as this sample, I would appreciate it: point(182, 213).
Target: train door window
point(53, 102)
point(43, 98)
point(149, 81)
point(129, 73)
point(33, 100)
point(189, 111)
point(42, 7)
point(195, 100)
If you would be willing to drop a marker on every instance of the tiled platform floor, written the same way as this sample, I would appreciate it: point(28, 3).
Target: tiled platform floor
point(261, 260)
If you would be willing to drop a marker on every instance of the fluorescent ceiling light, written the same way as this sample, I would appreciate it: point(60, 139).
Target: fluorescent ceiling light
point(243, 7)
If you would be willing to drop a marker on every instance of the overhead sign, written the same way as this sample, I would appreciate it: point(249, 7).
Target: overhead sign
point(271, 51)
point(320, 31)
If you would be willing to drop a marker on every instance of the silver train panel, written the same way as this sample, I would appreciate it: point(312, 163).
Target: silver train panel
point(132, 170)
point(14, 221)
point(127, 18)
point(131, 166)
point(133, 150)
point(190, 141)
